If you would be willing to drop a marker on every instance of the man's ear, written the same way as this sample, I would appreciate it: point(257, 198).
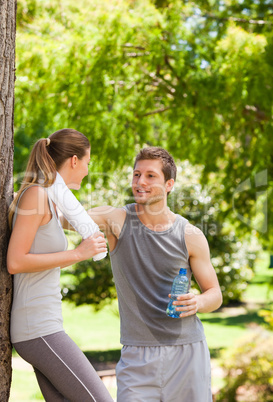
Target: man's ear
point(169, 185)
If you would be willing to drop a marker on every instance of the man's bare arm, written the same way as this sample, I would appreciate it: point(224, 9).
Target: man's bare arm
point(110, 221)
point(64, 222)
point(211, 297)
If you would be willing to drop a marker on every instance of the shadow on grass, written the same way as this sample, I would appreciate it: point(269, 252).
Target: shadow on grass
point(241, 320)
point(103, 359)
point(106, 358)
point(215, 353)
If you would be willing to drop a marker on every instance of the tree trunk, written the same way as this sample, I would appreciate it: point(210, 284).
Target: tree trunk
point(7, 79)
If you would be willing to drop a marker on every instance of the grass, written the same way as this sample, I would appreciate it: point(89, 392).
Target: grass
point(97, 334)
point(24, 387)
point(92, 330)
point(224, 326)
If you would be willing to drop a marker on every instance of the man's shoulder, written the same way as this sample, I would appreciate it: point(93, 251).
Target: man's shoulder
point(115, 218)
point(129, 207)
point(194, 237)
point(106, 210)
point(190, 230)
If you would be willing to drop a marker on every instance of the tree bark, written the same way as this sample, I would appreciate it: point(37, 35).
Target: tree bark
point(7, 79)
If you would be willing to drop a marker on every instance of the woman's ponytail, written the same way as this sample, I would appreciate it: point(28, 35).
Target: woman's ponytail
point(47, 156)
point(41, 169)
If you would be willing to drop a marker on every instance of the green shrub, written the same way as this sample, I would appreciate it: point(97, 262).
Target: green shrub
point(249, 370)
point(90, 282)
point(267, 314)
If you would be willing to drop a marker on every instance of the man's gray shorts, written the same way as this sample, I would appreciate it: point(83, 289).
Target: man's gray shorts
point(164, 373)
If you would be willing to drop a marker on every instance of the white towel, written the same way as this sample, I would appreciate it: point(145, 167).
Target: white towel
point(73, 211)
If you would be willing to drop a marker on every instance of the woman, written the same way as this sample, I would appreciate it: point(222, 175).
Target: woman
point(36, 253)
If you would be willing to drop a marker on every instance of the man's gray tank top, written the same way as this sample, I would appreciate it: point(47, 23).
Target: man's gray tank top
point(37, 309)
point(144, 265)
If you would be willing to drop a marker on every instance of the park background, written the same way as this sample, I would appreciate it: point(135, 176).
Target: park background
point(195, 77)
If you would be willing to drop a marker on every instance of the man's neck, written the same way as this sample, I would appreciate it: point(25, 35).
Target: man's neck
point(157, 216)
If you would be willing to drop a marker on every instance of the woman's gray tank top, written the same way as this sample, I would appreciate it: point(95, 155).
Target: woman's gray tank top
point(36, 309)
point(144, 265)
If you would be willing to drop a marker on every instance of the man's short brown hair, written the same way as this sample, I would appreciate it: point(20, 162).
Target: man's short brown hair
point(168, 165)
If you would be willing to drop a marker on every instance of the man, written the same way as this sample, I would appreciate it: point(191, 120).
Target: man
point(163, 359)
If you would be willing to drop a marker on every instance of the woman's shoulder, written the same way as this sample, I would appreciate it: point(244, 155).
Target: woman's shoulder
point(32, 208)
point(34, 196)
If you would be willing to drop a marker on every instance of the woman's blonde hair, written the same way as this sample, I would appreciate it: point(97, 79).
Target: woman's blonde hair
point(47, 156)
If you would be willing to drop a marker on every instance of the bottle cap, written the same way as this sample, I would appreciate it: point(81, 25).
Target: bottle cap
point(183, 271)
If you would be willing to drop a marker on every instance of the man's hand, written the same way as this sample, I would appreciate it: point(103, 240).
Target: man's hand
point(186, 304)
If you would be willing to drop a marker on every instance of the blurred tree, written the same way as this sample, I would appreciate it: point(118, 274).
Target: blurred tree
point(7, 78)
point(195, 77)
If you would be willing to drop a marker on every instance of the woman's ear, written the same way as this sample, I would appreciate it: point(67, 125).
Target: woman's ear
point(74, 160)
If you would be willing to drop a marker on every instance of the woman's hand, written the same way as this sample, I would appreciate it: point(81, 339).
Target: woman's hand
point(186, 304)
point(91, 246)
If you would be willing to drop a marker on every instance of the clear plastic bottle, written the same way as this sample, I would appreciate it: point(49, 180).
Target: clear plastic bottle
point(179, 287)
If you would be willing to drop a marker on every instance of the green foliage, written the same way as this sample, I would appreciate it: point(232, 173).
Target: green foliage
point(249, 370)
point(267, 311)
point(26, 11)
point(267, 314)
point(90, 283)
point(195, 77)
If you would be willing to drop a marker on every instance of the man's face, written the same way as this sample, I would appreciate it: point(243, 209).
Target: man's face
point(148, 182)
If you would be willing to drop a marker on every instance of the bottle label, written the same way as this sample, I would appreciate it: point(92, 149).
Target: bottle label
point(179, 289)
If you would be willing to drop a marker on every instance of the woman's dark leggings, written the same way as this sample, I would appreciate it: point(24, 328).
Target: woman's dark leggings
point(62, 370)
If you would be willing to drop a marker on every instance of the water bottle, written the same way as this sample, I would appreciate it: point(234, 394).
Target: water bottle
point(179, 287)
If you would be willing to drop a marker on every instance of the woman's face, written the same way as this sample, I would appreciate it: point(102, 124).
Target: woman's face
point(80, 170)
